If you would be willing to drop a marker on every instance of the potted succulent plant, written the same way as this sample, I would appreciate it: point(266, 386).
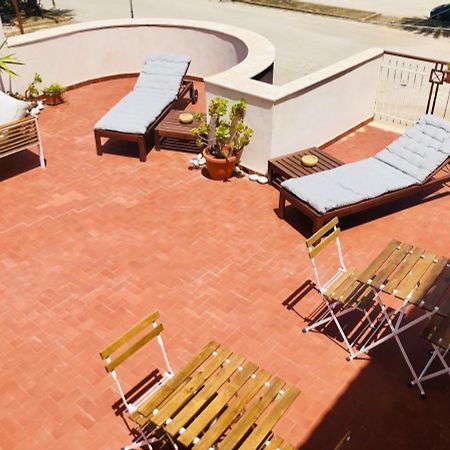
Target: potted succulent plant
point(53, 94)
point(223, 138)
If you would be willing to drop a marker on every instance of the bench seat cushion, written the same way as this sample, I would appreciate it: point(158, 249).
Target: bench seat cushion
point(11, 109)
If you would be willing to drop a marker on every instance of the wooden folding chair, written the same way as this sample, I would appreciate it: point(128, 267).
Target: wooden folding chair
point(342, 293)
point(437, 332)
point(127, 345)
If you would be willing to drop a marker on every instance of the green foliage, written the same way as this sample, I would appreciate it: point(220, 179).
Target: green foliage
point(32, 89)
point(225, 137)
point(54, 89)
point(7, 60)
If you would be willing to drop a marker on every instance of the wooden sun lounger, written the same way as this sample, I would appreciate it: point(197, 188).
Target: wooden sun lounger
point(438, 178)
point(143, 139)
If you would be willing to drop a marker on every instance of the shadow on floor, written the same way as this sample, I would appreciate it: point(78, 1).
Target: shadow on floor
point(304, 225)
point(18, 163)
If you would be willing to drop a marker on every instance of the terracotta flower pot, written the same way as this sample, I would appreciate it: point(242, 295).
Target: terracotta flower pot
point(447, 76)
point(53, 100)
point(219, 169)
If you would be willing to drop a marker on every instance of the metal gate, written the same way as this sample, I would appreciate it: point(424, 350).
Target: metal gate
point(410, 87)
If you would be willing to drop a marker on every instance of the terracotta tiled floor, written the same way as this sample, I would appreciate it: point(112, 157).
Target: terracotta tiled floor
point(91, 244)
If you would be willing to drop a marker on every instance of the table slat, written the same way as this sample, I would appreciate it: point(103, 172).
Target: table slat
point(409, 283)
point(202, 421)
point(189, 389)
point(384, 274)
point(251, 388)
point(251, 416)
point(168, 388)
point(275, 443)
point(428, 280)
point(436, 295)
point(403, 270)
point(368, 273)
point(204, 395)
point(264, 428)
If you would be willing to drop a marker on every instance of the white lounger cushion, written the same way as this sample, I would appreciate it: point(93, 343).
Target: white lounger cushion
point(135, 112)
point(11, 108)
point(156, 87)
point(348, 184)
point(407, 161)
point(421, 149)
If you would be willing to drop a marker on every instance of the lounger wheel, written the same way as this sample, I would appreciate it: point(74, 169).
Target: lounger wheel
point(304, 330)
point(194, 96)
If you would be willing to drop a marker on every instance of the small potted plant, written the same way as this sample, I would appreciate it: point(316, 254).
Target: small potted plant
point(223, 138)
point(33, 92)
point(53, 94)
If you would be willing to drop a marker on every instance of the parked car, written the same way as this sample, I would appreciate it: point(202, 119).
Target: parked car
point(441, 12)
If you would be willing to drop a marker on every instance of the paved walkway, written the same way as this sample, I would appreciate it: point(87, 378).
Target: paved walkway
point(304, 43)
point(92, 244)
point(396, 8)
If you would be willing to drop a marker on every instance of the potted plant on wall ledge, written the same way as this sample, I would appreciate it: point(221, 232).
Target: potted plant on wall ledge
point(53, 94)
point(223, 138)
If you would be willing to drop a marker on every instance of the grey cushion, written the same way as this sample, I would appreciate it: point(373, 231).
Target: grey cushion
point(407, 161)
point(134, 113)
point(156, 87)
point(11, 108)
point(348, 184)
point(421, 149)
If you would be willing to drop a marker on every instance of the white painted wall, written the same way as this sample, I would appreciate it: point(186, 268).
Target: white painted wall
point(305, 112)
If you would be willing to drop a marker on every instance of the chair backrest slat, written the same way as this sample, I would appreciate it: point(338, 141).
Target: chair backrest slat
point(134, 348)
point(136, 329)
point(319, 233)
point(324, 243)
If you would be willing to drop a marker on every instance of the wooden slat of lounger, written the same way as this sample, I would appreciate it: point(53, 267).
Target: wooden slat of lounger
point(409, 283)
point(383, 276)
point(204, 395)
point(251, 388)
point(262, 429)
point(179, 399)
point(239, 430)
point(436, 295)
point(129, 334)
point(403, 270)
point(428, 279)
point(370, 271)
point(203, 420)
point(289, 168)
point(168, 388)
point(342, 278)
point(437, 331)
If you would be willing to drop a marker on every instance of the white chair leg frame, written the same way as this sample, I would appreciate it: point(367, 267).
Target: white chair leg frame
point(441, 354)
point(132, 407)
point(396, 329)
point(330, 315)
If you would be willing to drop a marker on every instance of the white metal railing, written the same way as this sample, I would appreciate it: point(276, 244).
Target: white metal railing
point(405, 91)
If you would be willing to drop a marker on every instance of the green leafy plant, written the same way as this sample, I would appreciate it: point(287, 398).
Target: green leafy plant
point(7, 60)
point(54, 89)
point(32, 90)
point(226, 136)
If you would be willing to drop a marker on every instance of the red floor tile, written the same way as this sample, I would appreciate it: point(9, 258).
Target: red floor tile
point(92, 244)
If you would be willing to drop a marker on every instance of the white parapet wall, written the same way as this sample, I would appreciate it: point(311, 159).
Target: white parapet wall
point(305, 112)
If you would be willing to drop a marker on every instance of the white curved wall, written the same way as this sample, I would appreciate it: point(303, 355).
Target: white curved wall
point(305, 112)
point(80, 52)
